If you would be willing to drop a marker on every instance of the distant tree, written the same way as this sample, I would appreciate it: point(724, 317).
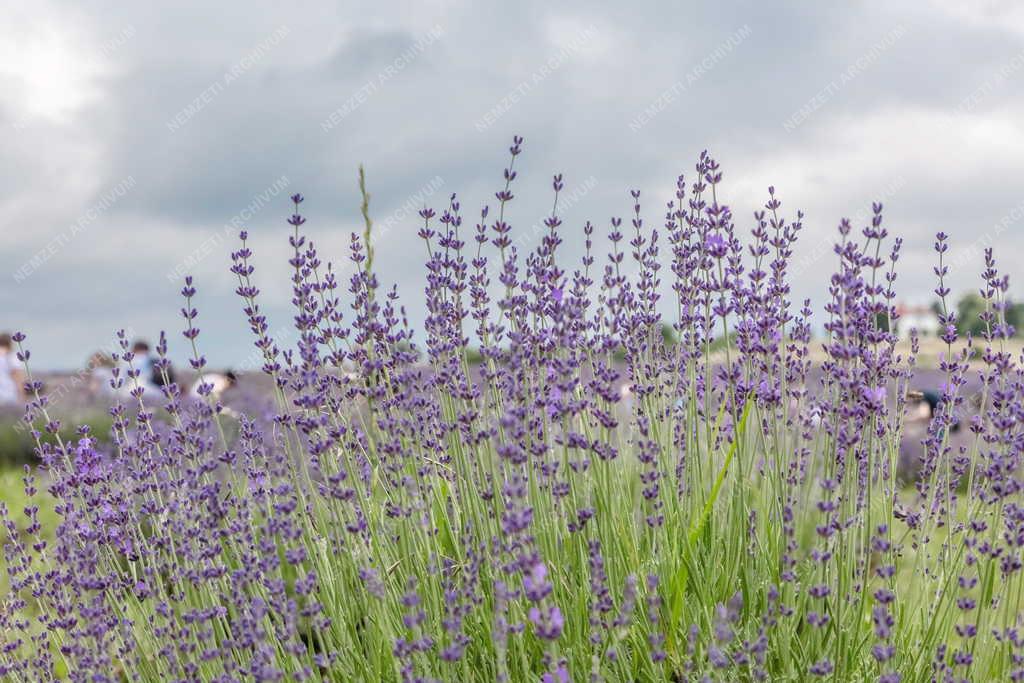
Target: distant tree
point(968, 311)
point(1015, 317)
point(668, 335)
point(971, 306)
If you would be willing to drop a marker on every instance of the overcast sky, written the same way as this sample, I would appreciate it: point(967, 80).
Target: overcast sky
point(136, 138)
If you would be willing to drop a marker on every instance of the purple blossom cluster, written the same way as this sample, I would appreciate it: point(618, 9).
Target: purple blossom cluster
point(645, 478)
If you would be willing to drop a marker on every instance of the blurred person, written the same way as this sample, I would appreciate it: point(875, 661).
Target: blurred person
point(12, 373)
point(143, 360)
point(920, 410)
point(101, 373)
point(151, 376)
point(219, 383)
point(922, 405)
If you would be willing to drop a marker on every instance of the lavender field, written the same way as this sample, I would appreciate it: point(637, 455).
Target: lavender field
point(641, 465)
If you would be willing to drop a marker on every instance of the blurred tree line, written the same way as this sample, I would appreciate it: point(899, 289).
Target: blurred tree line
point(971, 306)
point(968, 315)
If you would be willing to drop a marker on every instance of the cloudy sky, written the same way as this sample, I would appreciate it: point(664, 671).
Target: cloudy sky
point(136, 138)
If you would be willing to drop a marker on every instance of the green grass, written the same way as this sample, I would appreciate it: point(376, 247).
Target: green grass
point(17, 446)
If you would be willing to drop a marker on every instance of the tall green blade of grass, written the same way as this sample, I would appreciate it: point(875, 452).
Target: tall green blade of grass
point(698, 526)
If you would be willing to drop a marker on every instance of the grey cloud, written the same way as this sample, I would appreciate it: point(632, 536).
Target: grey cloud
point(418, 124)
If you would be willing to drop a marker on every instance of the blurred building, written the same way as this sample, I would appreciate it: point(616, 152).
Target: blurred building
point(921, 318)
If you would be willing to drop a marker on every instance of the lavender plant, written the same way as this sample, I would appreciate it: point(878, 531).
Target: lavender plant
point(593, 502)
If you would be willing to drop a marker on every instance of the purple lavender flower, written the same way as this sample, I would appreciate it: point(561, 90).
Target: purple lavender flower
point(638, 464)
